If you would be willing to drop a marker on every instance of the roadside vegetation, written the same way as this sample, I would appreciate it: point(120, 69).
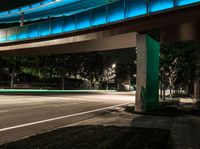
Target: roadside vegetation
point(179, 67)
point(96, 70)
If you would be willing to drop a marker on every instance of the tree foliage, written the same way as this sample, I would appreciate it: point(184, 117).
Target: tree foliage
point(179, 65)
point(86, 66)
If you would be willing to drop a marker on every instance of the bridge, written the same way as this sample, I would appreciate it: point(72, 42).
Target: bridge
point(64, 26)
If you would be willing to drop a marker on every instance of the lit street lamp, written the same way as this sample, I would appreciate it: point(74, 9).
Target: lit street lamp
point(109, 75)
point(114, 65)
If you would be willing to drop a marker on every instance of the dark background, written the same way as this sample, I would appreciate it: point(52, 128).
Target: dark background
point(9, 4)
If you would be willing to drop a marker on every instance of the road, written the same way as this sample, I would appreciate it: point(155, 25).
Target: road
point(25, 115)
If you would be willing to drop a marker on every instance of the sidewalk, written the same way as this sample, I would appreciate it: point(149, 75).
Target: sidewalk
point(184, 125)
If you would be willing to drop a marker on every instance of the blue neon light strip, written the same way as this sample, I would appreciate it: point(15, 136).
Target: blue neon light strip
point(98, 16)
point(117, 11)
point(136, 8)
point(34, 6)
point(158, 5)
point(185, 2)
point(52, 8)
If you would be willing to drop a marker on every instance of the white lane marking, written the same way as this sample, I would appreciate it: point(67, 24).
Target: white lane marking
point(61, 117)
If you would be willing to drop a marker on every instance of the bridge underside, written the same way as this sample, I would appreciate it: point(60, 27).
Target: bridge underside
point(103, 40)
point(76, 45)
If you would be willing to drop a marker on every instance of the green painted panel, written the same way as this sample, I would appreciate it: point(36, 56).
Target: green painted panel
point(152, 80)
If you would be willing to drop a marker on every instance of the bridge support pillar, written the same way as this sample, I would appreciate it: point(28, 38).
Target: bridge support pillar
point(147, 93)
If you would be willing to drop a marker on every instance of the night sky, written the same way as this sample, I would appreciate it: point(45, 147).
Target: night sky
point(9, 4)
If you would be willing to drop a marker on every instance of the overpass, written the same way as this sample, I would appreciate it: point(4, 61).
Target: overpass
point(140, 24)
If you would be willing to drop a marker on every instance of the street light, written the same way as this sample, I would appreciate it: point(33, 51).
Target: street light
point(114, 65)
point(114, 69)
point(109, 74)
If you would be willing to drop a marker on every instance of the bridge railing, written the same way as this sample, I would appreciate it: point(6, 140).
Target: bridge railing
point(26, 7)
point(114, 12)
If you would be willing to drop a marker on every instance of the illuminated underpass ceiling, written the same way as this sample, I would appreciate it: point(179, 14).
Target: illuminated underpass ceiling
point(50, 8)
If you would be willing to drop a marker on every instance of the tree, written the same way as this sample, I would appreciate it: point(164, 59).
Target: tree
point(109, 75)
point(13, 65)
point(122, 73)
point(92, 68)
point(178, 66)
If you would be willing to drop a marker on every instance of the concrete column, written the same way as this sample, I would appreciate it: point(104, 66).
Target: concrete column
point(22, 19)
point(147, 95)
point(196, 90)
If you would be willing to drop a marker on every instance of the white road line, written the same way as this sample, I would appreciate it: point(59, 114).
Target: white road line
point(61, 117)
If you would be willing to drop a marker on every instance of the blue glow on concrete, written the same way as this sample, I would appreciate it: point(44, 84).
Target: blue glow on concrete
point(55, 8)
point(12, 34)
point(51, 8)
point(22, 33)
point(136, 8)
point(33, 31)
point(83, 20)
point(44, 28)
point(24, 8)
point(57, 25)
point(185, 2)
point(116, 11)
point(14, 10)
point(158, 5)
point(3, 13)
point(47, 1)
point(35, 5)
point(99, 16)
point(3, 35)
point(69, 23)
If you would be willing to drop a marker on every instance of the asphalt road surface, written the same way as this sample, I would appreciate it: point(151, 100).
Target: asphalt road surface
point(25, 115)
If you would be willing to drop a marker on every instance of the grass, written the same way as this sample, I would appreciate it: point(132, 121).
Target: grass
point(95, 137)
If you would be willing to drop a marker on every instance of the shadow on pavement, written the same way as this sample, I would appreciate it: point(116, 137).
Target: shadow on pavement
point(95, 137)
point(180, 119)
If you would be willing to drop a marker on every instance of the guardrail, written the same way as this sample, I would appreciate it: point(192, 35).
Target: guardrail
point(113, 12)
